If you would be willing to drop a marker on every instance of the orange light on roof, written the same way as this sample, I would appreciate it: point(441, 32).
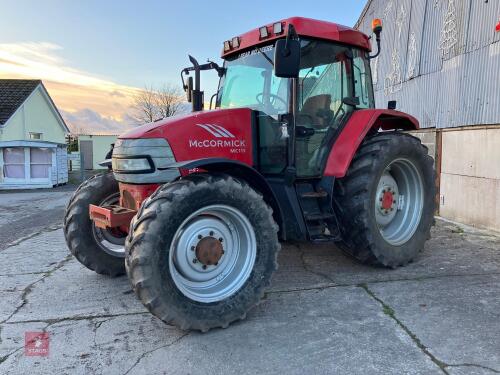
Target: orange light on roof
point(377, 25)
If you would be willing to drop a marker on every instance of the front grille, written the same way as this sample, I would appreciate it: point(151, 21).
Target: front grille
point(160, 152)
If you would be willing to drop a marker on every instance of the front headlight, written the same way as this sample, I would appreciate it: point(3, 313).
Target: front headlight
point(139, 164)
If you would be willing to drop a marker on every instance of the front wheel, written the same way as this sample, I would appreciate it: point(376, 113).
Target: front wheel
point(101, 250)
point(386, 200)
point(201, 250)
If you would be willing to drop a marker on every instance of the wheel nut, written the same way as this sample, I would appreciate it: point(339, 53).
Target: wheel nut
point(192, 248)
point(211, 233)
point(223, 251)
point(220, 239)
point(200, 236)
point(204, 267)
point(195, 260)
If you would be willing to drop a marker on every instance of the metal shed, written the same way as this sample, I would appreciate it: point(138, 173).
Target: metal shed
point(441, 62)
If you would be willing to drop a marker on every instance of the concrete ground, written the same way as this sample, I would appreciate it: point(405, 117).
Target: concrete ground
point(324, 313)
point(25, 212)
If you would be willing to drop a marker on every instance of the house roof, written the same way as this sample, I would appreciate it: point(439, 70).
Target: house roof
point(13, 93)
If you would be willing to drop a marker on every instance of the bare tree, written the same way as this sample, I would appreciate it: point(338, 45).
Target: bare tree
point(151, 104)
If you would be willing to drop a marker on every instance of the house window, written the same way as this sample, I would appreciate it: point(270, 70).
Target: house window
point(40, 162)
point(35, 135)
point(13, 162)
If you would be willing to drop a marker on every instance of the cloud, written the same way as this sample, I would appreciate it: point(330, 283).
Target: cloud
point(88, 121)
point(80, 95)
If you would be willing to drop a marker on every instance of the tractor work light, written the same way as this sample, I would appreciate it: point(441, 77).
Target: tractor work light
point(263, 32)
point(377, 25)
point(235, 42)
point(140, 164)
point(227, 45)
point(278, 28)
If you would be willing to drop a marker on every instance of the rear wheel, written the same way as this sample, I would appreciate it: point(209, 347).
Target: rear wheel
point(101, 250)
point(386, 200)
point(201, 250)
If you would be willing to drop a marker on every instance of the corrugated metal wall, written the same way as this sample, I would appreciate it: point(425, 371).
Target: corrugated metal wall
point(440, 59)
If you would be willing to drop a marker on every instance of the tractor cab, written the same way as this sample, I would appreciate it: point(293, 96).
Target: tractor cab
point(332, 81)
point(301, 105)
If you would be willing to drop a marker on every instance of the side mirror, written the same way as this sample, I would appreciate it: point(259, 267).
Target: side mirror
point(287, 58)
point(189, 89)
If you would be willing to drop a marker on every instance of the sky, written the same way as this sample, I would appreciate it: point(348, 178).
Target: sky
point(94, 56)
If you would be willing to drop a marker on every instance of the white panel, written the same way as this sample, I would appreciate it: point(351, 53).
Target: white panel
point(471, 200)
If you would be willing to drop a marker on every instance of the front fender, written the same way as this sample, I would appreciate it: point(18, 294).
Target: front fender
point(354, 132)
point(241, 171)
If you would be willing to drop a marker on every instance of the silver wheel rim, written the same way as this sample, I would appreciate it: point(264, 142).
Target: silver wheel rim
point(105, 238)
point(399, 202)
point(213, 282)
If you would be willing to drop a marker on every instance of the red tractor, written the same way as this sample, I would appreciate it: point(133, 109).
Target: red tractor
point(196, 205)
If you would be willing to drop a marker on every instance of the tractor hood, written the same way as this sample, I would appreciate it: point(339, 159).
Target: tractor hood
point(222, 133)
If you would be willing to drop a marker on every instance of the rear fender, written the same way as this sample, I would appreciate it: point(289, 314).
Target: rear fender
point(356, 129)
point(238, 170)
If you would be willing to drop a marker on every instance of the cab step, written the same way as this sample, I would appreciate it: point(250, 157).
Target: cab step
point(315, 194)
point(317, 210)
point(319, 216)
point(325, 238)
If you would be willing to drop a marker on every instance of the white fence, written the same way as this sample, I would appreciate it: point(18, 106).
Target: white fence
point(73, 161)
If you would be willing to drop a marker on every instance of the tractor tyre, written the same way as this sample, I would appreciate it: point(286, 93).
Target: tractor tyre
point(201, 251)
point(100, 250)
point(386, 201)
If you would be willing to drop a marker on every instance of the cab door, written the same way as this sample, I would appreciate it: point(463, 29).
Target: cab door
point(324, 81)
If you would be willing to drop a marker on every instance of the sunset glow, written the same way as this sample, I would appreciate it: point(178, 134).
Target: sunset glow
point(72, 90)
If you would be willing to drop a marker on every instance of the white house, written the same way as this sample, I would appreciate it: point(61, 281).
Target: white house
point(32, 137)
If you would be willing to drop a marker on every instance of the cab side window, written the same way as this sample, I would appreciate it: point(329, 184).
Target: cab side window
point(362, 80)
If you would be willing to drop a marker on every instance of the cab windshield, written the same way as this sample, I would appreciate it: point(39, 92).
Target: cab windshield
point(249, 82)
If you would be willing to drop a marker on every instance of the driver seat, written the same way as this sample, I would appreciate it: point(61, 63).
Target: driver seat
point(318, 109)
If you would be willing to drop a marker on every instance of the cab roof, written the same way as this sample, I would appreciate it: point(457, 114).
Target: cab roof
point(304, 27)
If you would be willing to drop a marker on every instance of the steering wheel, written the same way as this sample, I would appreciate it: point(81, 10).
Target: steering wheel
point(258, 97)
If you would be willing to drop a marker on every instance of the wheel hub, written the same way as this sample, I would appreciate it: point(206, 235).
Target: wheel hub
point(209, 251)
point(110, 240)
point(387, 198)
